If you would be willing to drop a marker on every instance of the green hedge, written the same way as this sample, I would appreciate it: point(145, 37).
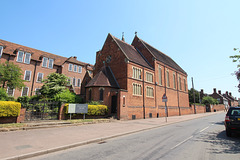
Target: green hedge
point(94, 110)
point(9, 109)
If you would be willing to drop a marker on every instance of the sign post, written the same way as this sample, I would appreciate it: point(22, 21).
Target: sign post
point(164, 99)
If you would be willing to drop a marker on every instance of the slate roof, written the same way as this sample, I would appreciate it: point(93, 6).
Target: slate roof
point(104, 78)
point(162, 57)
point(131, 53)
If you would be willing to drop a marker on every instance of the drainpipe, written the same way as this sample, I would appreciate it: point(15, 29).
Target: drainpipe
point(165, 87)
point(33, 77)
point(143, 97)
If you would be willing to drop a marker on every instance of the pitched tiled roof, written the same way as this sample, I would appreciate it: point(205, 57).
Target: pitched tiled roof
point(131, 53)
point(104, 78)
point(162, 57)
point(11, 48)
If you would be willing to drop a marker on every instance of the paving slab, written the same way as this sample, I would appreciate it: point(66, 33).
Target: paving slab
point(24, 144)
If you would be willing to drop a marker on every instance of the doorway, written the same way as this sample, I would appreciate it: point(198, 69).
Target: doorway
point(114, 104)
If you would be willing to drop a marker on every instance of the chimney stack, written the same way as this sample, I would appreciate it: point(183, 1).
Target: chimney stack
point(219, 92)
point(214, 90)
point(227, 93)
point(123, 39)
point(230, 93)
point(74, 57)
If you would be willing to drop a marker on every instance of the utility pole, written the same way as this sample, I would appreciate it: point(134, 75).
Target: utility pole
point(193, 97)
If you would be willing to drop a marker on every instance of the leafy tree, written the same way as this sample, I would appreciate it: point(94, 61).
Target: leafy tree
point(3, 95)
point(190, 95)
point(67, 97)
point(11, 75)
point(53, 85)
point(209, 100)
point(236, 58)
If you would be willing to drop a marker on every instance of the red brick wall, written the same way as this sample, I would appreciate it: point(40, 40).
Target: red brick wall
point(218, 107)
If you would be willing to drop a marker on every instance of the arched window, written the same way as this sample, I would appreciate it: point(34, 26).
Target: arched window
point(90, 94)
point(101, 94)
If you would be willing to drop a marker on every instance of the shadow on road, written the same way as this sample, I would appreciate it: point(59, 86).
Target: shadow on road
point(220, 143)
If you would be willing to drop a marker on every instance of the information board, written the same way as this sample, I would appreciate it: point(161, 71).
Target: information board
point(78, 108)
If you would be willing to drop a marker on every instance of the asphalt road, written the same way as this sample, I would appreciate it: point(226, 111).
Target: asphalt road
point(199, 139)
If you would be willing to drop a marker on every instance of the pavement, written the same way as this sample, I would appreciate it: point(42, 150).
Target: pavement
point(22, 144)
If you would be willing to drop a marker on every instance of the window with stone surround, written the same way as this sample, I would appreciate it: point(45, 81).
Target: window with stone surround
point(160, 75)
point(149, 77)
point(149, 91)
point(137, 89)
point(137, 73)
point(1, 51)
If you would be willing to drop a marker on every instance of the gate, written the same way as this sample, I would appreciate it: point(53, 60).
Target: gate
point(42, 110)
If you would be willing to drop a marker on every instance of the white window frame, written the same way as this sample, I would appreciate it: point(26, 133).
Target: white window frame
point(26, 75)
point(160, 75)
point(137, 89)
point(1, 51)
point(69, 80)
point(137, 73)
point(70, 66)
point(75, 67)
point(79, 69)
point(12, 92)
point(38, 77)
point(74, 82)
point(27, 61)
point(45, 59)
point(148, 91)
point(79, 82)
point(27, 91)
point(50, 63)
point(19, 57)
point(36, 91)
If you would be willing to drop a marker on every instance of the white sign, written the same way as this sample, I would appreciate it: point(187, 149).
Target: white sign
point(78, 108)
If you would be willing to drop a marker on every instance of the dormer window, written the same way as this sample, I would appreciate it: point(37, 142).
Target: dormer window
point(50, 64)
point(44, 62)
point(79, 69)
point(24, 57)
point(70, 66)
point(1, 50)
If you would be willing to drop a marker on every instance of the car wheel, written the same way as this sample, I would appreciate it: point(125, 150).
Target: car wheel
point(228, 133)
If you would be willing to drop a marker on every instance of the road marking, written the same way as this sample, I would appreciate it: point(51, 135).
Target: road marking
point(182, 142)
point(204, 129)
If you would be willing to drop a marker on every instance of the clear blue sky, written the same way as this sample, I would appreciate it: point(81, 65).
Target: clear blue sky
point(198, 34)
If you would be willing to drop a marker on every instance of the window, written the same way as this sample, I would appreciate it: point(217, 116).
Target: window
point(149, 92)
point(39, 77)
point(10, 91)
point(69, 80)
point(1, 51)
point(101, 94)
point(136, 73)
point(70, 66)
point(79, 83)
point(75, 68)
point(180, 85)
point(90, 94)
point(74, 82)
point(27, 76)
point(137, 89)
point(37, 91)
point(149, 77)
point(50, 64)
point(20, 56)
point(27, 58)
point(168, 82)
point(174, 81)
point(160, 74)
point(124, 101)
point(79, 69)
point(45, 60)
point(185, 85)
point(25, 91)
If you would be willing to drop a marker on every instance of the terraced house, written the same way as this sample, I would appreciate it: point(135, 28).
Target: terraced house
point(37, 65)
point(132, 80)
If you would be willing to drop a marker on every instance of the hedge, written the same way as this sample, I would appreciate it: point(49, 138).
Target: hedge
point(9, 109)
point(94, 110)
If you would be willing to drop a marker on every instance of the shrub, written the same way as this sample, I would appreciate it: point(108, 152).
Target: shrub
point(93, 110)
point(9, 109)
point(67, 97)
point(3, 94)
point(94, 103)
point(209, 100)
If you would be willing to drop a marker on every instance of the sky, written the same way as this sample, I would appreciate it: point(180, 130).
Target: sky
point(199, 35)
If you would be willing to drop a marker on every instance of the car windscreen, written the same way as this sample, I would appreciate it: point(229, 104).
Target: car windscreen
point(235, 112)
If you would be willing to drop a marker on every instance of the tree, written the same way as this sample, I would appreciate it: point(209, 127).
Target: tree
point(67, 97)
point(11, 75)
point(236, 58)
point(53, 85)
point(209, 100)
point(190, 95)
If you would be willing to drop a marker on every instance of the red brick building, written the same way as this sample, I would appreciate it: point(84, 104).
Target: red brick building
point(37, 65)
point(131, 80)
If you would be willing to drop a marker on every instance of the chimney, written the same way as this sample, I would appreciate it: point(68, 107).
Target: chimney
point(219, 92)
point(123, 39)
point(214, 90)
point(230, 93)
point(74, 57)
point(227, 93)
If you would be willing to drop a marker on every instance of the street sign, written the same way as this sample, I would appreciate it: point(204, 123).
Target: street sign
point(164, 98)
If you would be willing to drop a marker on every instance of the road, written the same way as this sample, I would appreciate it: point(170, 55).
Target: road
point(200, 139)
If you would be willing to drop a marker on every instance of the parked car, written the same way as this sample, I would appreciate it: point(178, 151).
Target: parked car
point(232, 120)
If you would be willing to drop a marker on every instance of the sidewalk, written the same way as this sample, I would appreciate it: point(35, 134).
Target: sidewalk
point(25, 144)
